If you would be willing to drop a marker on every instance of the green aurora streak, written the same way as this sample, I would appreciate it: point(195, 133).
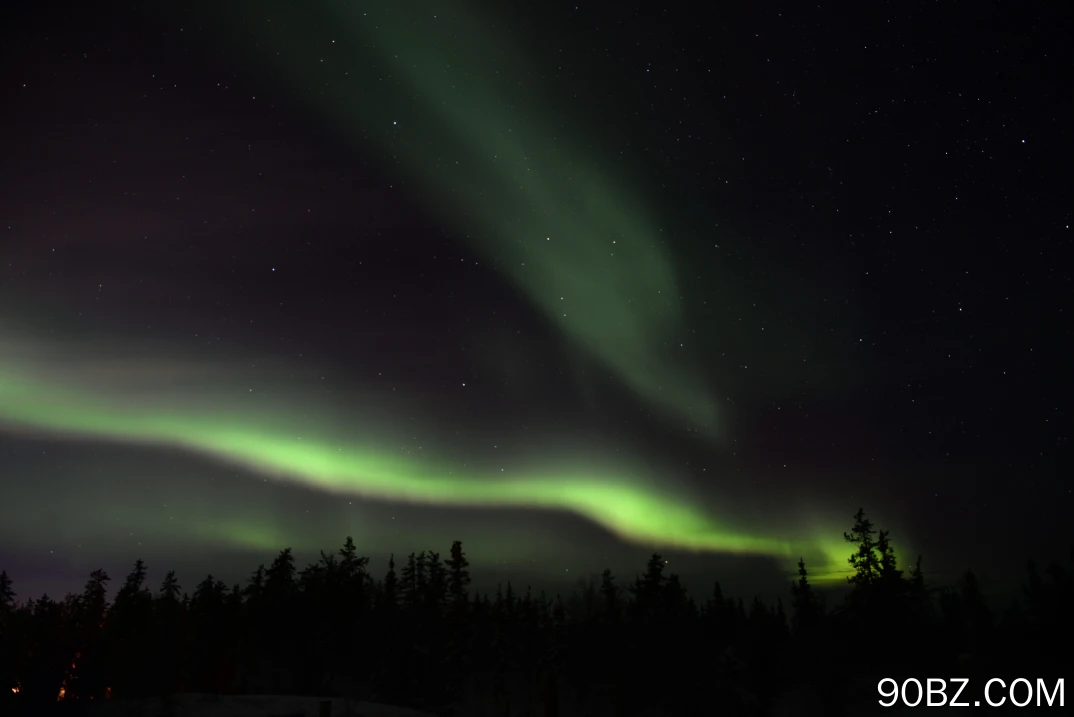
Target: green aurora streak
point(502, 165)
point(628, 508)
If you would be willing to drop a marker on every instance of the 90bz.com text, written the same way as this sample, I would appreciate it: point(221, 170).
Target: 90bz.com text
point(937, 692)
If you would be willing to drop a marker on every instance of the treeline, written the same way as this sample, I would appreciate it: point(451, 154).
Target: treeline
point(417, 636)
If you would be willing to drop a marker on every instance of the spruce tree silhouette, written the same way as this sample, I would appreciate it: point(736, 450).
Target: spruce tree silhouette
point(206, 625)
point(675, 605)
point(169, 588)
point(918, 599)
point(7, 594)
point(168, 618)
point(878, 591)
point(95, 597)
point(130, 632)
point(609, 595)
point(864, 559)
point(917, 577)
point(421, 578)
point(89, 614)
point(890, 588)
point(255, 586)
point(134, 582)
point(347, 608)
point(887, 568)
point(425, 641)
point(458, 576)
point(509, 600)
point(8, 638)
point(409, 582)
point(805, 605)
point(437, 583)
point(45, 665)
point(647, 588)
point(390, 592)
point(318, 590)
point(280, 578)
point(281, 629)
point(716, 604)
point(458, 643)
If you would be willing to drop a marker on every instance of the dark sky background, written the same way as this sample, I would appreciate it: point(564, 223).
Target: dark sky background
point(569, 282)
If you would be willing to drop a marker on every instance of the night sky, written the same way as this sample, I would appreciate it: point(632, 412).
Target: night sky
point(568, 282)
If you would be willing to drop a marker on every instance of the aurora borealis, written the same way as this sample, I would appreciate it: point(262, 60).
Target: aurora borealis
point(616, 502)
point(517, 178)
point(522, 278)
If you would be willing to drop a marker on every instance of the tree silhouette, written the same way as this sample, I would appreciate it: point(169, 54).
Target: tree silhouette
point(918, 600)
point(437, 581)
point(280, 578)
point(888, 565)
point(425, 641)
point(390, 591)
point(675, 604)
point(169, 588)
point(95, 596)
point(255, 586)
point(411, 581)
point(647, 588)
point(133, 583)
point(45, 668)
point(864, 559)
point(7, 635)
point(458, 575)
point(804, 604)
point(91, 671)
point(169, 617)
point(609, 595)
point(130, 634)
point(7, 594)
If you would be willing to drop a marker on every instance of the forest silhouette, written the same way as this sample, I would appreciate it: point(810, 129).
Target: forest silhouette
point(418, 636)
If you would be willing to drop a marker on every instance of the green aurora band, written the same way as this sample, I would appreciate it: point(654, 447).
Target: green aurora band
point(636, 510)
point(627, 508)
point(407, 82)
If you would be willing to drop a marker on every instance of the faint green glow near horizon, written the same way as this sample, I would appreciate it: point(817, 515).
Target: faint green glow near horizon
point(826, 563)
